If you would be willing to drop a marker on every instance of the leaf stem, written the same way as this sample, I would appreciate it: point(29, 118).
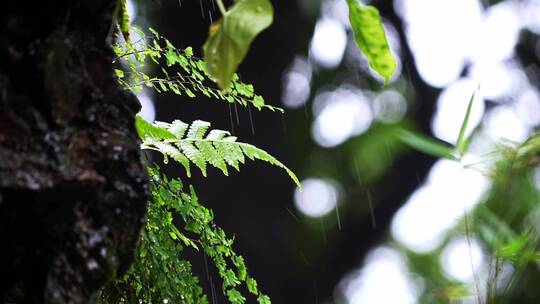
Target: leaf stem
point(221, 7)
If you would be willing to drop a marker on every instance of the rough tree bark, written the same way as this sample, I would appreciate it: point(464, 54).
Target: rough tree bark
point(72, 184)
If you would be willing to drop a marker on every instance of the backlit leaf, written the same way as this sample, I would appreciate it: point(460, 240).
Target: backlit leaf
point(371, 39)
point(428, 145)
point(461, 143)
point(230, 38)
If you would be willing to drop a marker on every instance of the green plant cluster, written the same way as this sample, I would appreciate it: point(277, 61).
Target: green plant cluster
point(180, 72)
point(159, 274)
point(505, 221)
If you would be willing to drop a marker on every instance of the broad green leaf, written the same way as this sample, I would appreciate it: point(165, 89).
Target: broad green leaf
point(461, 143)
point(427, 145)
point(371, 39)
point(230, 38)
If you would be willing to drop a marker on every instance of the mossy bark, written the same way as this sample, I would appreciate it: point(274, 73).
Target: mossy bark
point(72, 184)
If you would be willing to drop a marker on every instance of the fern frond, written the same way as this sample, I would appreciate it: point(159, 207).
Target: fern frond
point(194, 144)
point(181, 72)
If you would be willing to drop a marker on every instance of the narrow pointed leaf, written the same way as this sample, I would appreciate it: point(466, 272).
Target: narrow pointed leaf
point(461, 143)
point(427, 145)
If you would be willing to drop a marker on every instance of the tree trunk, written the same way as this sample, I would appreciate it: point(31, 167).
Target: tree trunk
point(72, 184)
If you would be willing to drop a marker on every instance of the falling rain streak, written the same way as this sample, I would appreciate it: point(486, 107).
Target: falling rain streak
point(371, 211)
point(323, 230)
point(388, 151)
point(212, 289)
point(292, 214)
point(251, 120)
point(303, 257)
point(316, 292)
point(283, 123)
point(202, 9)
point(236, 114)
point(338, 218)
point(231, 118)
point(357, 170)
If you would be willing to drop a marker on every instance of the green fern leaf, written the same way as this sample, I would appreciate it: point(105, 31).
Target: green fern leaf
point(191, 143)
point(197, 129)
point(255, 153)
point(178, 128)
point(193, 154)
point(146, 130)
point(190, 76)
point(171, 151)
point(231, 153)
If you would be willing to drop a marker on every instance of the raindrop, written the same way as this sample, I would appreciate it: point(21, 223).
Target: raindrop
point(316, 293)
point(388, 152)
point(283, 124)
point(213, 289)
point(371, 211)
point(202, 9)
point(206, 267)
point(230, 116)
point(236, 114)
point(251, 120)
point(303, 257)
point(357, 171)
point(323, 230)
point(292, 214)
point(338, 218)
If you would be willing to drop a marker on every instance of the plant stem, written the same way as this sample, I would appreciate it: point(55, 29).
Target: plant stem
point(221, 7)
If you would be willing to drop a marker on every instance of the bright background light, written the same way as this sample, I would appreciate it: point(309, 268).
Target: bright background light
point(296, 83)
point(328, 43)
point(383, 279)
point(148, 111)
point(460, 47)
point(451, 108)
point(436, 206)
point(319, 197)
point(462, 260)
point(339, 115)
